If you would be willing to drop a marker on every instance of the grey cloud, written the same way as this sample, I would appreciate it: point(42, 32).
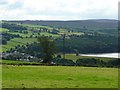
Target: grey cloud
point(7, 5)
point(60, 10)
point(3, 2)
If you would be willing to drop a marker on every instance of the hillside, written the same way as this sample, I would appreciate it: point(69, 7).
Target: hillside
point(19, 38)
point(107, 26)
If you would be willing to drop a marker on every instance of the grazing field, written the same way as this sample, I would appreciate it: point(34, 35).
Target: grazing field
point(21, 34)
point(59, 77)
point(3, 30)
point(74, 57)
point(48, 34)
point(17, 41)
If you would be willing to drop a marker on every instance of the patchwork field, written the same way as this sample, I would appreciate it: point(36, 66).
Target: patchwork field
point(59, 77)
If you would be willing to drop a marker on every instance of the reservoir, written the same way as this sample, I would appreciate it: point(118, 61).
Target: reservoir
point(107, 55)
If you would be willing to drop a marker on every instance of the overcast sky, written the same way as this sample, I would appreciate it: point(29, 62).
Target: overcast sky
point(58, 9)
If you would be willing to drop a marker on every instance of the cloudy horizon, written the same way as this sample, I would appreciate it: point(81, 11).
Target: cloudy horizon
point(58, 9)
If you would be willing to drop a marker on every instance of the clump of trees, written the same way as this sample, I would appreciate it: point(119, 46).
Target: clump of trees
point(92, 62)
point(48, 48)
point(63, 62)
point(88, 43)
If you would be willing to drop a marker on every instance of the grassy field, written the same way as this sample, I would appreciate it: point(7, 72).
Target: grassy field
point(17, 41)
point(21, 34)
point(3, 30)
point(48, 34)
point(36, 26)
point(59, 77)
point(74, 57)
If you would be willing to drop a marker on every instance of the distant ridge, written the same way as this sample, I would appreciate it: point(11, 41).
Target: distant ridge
point(68, 20)
point(91, 23)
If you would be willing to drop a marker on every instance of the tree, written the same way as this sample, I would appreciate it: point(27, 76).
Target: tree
point(48, 48)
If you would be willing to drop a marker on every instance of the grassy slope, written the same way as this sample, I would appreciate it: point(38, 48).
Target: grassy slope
point(35, 26)
point(67, 77)
point(21, 34)
point(17, 41)
point(3, 30)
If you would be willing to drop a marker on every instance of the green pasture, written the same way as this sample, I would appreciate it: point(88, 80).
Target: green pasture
point(48, 34)
point(17, 41)
point(21, 34)
point(76, 33)
point(58, 77)
point(35, 26)
point(3, 30)
point(74, 57)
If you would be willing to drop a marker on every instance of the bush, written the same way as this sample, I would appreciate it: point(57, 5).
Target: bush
point(63, 62)
point(58, 56)
point(92, 62)
point(113, 63)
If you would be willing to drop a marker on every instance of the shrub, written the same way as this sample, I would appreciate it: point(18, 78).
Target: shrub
point(92, 62)
point(113, 63)
point(63, 62)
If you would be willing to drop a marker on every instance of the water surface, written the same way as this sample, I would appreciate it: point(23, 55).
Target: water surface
point(107, 55)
